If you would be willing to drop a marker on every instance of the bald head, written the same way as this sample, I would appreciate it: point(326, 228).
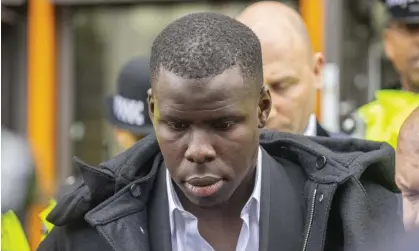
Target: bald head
point(407, 169)
point(290, 69)
point(409, 133)
point(274, 23)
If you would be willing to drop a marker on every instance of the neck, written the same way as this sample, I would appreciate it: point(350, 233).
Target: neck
point(409, 86)
point(228, 210)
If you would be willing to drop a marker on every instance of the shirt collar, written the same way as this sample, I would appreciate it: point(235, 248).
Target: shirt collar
point(258, 184)
point(174, 202)
point(311, 129)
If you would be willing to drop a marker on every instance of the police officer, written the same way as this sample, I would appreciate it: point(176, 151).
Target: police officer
point(386, 114)
point(126, 111)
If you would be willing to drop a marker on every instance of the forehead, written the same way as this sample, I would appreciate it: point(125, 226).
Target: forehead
point(287, 57)
point(283, 46)
point(183, 94)
point(408, 30)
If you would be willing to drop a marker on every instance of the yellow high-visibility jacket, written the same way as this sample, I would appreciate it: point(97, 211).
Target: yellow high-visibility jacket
point(13, 237)
point(385, 116)
point(46, 225)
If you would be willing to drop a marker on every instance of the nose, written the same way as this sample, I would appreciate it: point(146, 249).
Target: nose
point(200, 149)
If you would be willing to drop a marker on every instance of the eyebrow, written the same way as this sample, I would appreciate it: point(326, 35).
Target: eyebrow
point(171, 117)
point(288, 77)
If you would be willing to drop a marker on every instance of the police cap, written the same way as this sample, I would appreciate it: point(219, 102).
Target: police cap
point(127, 109)
point(406, 11)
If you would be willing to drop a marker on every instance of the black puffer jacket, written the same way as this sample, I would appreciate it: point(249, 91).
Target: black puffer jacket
point(317, 194)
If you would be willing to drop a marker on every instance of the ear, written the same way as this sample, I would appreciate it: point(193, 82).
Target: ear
point(265, 104)
point(150, 103)
point(318, 61)
point(388, 44)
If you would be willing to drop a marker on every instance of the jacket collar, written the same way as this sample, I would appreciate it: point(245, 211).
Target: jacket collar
point(121, 219)
point(324, 160)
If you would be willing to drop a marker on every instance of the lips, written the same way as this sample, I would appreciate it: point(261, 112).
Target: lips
point(203, 181)
point(204, 186)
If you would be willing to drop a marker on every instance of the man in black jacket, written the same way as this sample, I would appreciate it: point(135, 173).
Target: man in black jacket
point(208, 180)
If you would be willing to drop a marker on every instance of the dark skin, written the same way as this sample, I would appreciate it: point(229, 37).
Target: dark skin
point(211, 127)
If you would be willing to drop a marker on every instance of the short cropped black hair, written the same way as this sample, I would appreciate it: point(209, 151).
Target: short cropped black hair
point(204, 45)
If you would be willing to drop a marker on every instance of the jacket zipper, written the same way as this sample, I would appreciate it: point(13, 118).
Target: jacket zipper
point(310, 222)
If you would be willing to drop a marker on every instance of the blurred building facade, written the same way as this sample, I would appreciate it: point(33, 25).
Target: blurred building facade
point(60, 59)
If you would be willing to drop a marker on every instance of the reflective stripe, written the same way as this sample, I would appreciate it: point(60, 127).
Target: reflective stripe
point(46, 225)
point(13, 237)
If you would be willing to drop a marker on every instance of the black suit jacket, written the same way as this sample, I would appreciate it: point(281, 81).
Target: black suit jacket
point(317, 194)
point(282, 221)
point(320, 131)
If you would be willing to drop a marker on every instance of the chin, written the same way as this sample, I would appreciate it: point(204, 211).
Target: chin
point(207, 202)
point(215, 200)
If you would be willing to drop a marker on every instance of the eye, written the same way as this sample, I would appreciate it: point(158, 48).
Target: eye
point(277, 87)
point(224, 125)
point(411, 28)
point(177, 125)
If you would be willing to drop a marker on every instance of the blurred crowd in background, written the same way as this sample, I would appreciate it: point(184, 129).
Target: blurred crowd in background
point(75, 76)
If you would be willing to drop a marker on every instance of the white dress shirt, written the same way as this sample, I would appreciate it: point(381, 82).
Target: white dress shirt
point(184, 226)
point(311, 129)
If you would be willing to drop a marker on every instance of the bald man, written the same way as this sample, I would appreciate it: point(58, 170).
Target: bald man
point(291, 70)
point(407, 169)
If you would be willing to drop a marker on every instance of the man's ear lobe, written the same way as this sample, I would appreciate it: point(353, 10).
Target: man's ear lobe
point(265, 104)
point(318, 60)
